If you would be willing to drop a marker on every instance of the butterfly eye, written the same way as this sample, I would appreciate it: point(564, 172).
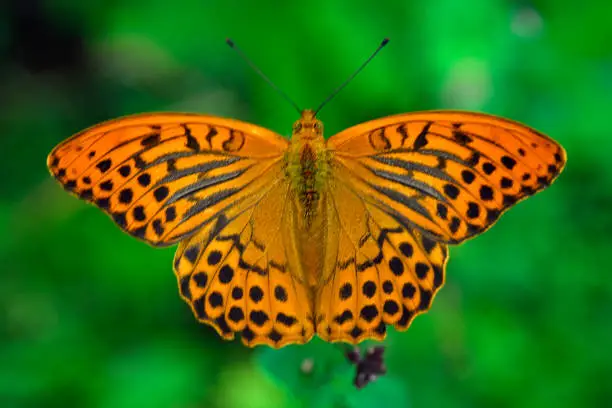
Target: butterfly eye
point(317, 126)
point(297, 127)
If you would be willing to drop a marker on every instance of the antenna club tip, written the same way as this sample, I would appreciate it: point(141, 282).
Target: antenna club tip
point(384, 42)
point(229, 42)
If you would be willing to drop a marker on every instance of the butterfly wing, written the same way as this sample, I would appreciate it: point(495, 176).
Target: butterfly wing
point(235, 272)
point(419, 181)
point(218, 186)
point(385, 272)
point(163, 176)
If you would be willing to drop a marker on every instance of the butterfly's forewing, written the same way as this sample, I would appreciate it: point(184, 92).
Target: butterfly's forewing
point(235, 272)
point(449, 174)
point(420, 181)
point(162, 176)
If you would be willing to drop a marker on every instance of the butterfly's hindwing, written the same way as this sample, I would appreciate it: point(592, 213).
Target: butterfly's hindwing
point(386, 273)
point(236, 276)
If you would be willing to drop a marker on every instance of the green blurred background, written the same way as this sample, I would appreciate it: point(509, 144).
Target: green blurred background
point(89, 317)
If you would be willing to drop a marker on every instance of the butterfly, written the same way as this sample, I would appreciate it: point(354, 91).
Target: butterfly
point(280, 240)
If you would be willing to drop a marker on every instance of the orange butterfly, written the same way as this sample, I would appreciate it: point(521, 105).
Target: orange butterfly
point(280, 240)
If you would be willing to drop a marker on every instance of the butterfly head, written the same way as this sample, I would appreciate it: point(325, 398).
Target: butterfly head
point(308, 126)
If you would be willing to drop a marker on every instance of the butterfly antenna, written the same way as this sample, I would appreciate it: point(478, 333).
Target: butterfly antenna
point(338, 89)
point(261, 74)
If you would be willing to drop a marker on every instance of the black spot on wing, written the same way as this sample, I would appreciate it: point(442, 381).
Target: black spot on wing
point(212, 132)
point(151, 140)
point(104, 165)
point(421, 140)
point(192, 142)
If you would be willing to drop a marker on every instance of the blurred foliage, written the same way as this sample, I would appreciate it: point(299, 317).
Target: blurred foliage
point(89, 317)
